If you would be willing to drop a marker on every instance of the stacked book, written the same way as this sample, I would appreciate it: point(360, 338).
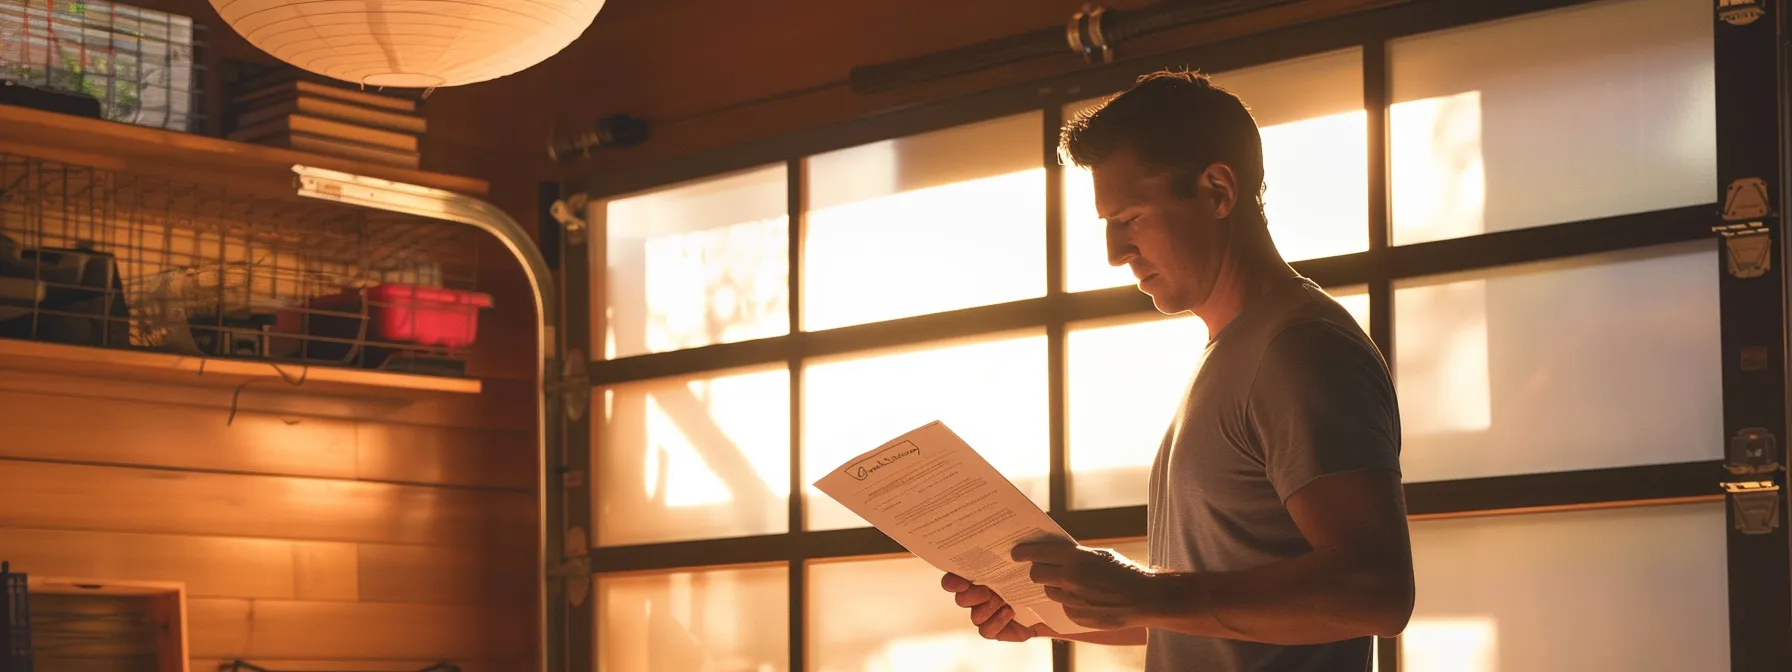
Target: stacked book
point(328, 119)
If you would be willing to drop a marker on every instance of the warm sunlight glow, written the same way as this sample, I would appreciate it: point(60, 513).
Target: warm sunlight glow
point(1466, 644)
point(1613, 590)
point(1315, 163)
point(1583, 363)
point(1442, 337)
point(990, 392)
point(1600, 109)
point(704, 621)
point(694, 458)
point(891, 616)
point(1126, 380)
point(1434, 151)
point(696, 265)
point(924, 224)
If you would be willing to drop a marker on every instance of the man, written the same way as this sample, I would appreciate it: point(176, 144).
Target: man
point(1276, 525)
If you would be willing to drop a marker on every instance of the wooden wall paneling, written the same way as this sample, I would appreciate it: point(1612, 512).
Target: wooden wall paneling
point(103, 431)
point(43, 495)
point(431, 575)
point(503, 404)
point(443, 455)
point(270, 629)
point(208, 566)
point(325, 571)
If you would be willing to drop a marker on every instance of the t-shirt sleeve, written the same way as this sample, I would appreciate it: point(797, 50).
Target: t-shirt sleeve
point(1322, 403)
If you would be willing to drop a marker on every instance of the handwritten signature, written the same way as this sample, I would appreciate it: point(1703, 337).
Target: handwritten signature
point(861, 471)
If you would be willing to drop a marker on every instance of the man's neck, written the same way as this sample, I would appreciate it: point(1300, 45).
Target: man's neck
point(1242, 279)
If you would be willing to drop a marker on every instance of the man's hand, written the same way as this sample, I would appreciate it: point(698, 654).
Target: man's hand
point(992, 615)
point(1099, 587)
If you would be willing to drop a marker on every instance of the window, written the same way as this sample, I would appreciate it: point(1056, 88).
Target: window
point(1584, 357)
point(698, 264)
point(1574, 364)
point(719, 619)
point(1126, 379)
point(991, 392)
point(1611, 590)
point(1315, 143)
point(935, 222)
point(890, 615)
point(1584, 112)
point(694, 458)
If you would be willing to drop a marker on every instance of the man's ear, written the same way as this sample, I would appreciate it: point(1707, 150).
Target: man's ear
point(1221, 185)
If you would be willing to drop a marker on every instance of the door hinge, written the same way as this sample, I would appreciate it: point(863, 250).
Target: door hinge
point(567, 212)
point(574, 570)
point(1754, 455)
point(573, 386)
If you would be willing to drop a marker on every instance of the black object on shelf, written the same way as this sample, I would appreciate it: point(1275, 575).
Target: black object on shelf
point(15, 622)
point(78, 296)
point(245, 666)
point(61, 102)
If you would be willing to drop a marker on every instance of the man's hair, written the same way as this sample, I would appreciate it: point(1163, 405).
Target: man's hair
point(1177, 123)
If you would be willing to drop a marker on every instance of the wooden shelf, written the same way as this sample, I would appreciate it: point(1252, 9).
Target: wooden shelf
point(155, 367)
point(185, 157)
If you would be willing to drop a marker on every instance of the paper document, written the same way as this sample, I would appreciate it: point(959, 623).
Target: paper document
point(932, 493)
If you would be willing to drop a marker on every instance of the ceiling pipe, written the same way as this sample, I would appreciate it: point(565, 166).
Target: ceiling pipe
point(1091, 33)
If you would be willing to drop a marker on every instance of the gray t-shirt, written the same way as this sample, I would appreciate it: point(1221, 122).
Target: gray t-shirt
point(1291, 390)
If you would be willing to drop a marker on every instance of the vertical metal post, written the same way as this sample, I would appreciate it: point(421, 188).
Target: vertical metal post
point(575, 410)
point(1058, 477)
point(1751, 115)
point(1377, 98)
point(797, 207)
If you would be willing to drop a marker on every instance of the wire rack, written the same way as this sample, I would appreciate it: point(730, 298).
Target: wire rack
point(140, 64)
point(98, 258)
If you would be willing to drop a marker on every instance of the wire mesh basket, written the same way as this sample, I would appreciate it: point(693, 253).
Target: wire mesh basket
point(15, 622)
point(98, 258)
point(139, 63)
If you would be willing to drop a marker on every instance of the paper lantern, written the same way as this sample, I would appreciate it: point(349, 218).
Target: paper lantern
point(410, 43)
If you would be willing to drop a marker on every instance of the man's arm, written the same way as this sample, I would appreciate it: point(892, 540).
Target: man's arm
point(1357, 581)
point(1323, 419)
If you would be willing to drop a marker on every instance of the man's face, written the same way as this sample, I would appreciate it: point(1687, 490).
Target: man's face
point(1173, 244)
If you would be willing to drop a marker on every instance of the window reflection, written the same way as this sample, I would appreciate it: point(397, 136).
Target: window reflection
point(697, 265)
point(1528, 592)
point(1628, 91)
point(991, 392)
point(694, 458)
point(924, 224)
point(1576, 364)
point(727, 620)
point(892, 616)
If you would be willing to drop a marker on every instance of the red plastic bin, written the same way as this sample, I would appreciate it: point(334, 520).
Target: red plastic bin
point(401, 313)
point(425, 315)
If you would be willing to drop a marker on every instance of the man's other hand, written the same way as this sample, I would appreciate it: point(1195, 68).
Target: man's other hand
point(1099, 587)
point(992, 616)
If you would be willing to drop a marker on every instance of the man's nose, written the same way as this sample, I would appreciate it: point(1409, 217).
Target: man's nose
point(1120, 250)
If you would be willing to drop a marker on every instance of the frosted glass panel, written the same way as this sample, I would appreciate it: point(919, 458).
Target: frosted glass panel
point(990, 392)
point(934, 222)
point(892, 616)
point(697, 264)
point(1310, 114)
point(1584, 363)
point(1126, 379)
point(1589, 111)
point(693, 458)
point(1617, 590)
point(723, 620)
